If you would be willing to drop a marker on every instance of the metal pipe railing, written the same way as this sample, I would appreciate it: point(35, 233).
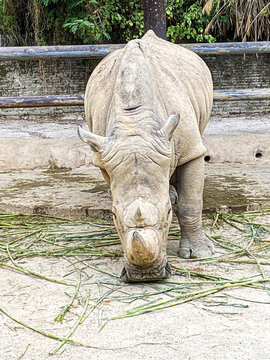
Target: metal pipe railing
point(78, 99)
point(41, 101)
point(99, 51)
point(240, 95)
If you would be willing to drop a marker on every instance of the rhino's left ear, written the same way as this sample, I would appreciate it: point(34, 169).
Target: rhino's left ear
point(95, 141)
point(170, 125)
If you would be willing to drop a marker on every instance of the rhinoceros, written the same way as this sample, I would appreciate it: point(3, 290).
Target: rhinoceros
point(147, 105)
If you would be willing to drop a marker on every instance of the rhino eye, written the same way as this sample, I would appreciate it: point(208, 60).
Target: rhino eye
point(169, 211)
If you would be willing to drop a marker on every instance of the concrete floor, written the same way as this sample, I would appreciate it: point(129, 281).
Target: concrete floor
point(45, 168)
point(47, 129)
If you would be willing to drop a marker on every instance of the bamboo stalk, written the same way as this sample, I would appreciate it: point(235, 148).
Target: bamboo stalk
point(40, 331)
point(79, 321)
point(60, 316)
point(30, 272)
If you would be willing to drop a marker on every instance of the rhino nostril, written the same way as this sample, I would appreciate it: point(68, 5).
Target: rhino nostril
point(137, 236)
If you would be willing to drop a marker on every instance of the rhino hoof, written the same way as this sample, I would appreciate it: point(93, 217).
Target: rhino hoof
point(193, 249)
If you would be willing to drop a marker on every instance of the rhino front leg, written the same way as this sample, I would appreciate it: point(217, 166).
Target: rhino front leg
point(189, 182)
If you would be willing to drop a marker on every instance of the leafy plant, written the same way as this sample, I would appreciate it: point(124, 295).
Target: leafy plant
point(45, 22)
point(186, 21)
point(103, 21)
point(49, 22)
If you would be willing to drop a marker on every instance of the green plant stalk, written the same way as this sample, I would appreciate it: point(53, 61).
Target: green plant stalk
point(243, 219)
point(24, 352)
point(209, 276)
point(140, 296)
point(52, 336)
point(60, 316)
point(188, 297)
point(30, 272)
point(10, 257)
point(257, 212)
point(39, 331)
point(161, 305)
point(215, 223)
point(248, 300)
point(99, 270)
point(247, 251)
point(23, 237)
point(79, 321)
point(199, 274)
point(235, 253)
point(102, 297)
point(245, 261)
point(40, 237)
point(234, 225)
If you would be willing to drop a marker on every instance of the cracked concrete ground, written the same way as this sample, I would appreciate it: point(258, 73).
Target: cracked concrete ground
point(45, 169)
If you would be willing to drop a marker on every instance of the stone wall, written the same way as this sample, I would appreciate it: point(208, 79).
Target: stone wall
point(26, 78)
point(240, 72)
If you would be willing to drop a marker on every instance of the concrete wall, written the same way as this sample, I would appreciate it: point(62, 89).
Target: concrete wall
point(22, 78)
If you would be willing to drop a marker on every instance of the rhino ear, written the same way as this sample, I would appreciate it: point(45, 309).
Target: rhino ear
point(95, 141)
point(170, 125)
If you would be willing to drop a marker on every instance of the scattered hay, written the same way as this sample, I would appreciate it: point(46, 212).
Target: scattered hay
point(83, 243)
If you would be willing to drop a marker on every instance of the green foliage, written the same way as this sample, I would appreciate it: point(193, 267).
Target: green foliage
point(106, 21)
point(186, 21)
point(120, 21)
point(48, 22)
point(8, 19)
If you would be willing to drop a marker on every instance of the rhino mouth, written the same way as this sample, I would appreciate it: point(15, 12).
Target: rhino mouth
point(133, 273)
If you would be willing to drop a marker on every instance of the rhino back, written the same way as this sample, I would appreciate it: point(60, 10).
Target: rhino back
point(159, 74)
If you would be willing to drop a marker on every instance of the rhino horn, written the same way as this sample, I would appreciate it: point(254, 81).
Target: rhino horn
point(170, 125)
point(142, 251)
point(95, 141)
point(137, 245)
point(138, 215)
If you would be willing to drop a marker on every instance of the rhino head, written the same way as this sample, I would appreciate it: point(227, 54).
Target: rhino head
point(136, 166)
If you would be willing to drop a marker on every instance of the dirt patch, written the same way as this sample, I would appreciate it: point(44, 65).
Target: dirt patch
point(228, 190)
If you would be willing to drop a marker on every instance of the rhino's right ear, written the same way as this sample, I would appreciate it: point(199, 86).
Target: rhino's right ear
point(95, 141)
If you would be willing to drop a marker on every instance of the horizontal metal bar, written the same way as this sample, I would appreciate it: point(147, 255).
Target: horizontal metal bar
point(235, 48)
point(41, 101)
point(99, 51)
point(240, 95)
point(57, 52)
point(78, 99)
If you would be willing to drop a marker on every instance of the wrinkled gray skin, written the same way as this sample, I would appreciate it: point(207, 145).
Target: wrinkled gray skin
point(147, 106)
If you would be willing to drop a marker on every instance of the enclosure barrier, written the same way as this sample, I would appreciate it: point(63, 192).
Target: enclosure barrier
point(41, 101)
point(99, 51)
point(78, 100)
